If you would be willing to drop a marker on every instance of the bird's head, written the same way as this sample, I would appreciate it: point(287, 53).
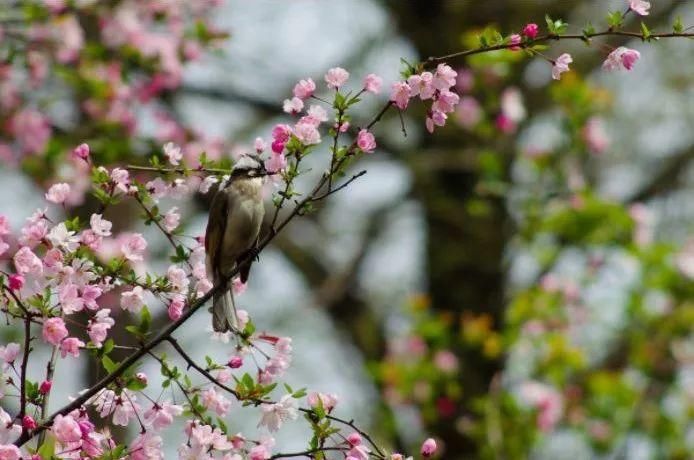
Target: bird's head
point(249, 166)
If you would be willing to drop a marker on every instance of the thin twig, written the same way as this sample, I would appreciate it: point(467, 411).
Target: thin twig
point(337, 189)
point(437, 59)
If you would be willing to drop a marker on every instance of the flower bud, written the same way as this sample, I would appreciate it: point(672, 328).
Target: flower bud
point(28, 423)
point(428, 448)
point(45, 387)
point(235, 362)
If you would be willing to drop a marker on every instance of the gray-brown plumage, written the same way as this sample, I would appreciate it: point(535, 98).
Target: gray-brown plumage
point(233, 226)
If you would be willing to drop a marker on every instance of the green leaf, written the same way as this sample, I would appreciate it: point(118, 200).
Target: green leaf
point(108, 364)
point(47, 449)
point(614, 19)
point(645, 31)
point(108, 346)
point(588, 30)
point(145, 320)
point(678, 26)
point(248, 381)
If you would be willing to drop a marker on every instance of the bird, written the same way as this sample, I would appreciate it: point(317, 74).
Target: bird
point(233, 227)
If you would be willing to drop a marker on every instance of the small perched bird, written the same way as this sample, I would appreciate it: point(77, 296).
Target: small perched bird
point(233, 226)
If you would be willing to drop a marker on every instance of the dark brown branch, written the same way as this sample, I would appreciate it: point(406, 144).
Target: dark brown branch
point(544, 38)
point(667, 179)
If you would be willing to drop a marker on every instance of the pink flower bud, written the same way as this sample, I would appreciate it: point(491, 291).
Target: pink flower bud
point(515, 40)
point(142, 377)
point(428, 448)
point(530, 30)
point(16, 282)
point(235, 362)
point(354, 439)
point(28, 423)
point(82, 152)
point(45, 387)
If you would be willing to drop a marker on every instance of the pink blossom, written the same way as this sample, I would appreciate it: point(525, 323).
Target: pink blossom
point(147, 446)
point(158, 188)
point(125, 409)
point(512, 105)
point(444, 77)
point(595, 135)
point(307, 134)
point(15, 282)
point(98, 327)
point(505, 124)
point(336, 77)
point(215, 401)
point(66, 429)
point(81, 151)
point(316, 115)
point(91, 240)
point(428, 448)
point(372, 83)
point(435, 118)
point(622, 58)
point(274, 415)
point(561, 65)
point(639, 7)
point(281, 133)
point(277, 162)
point(400, 94)
point(132, 300)
point(446, 361)
point(354, 439)
point(133, 247)
point(328, 400)
point(32, 130)
point(9, 352)
point(446, 101)
point(172, 219)
point(259, 452)
point(99, 225)
point(121, 178)
point(161, 415)
point(530, 30)
point(34, 232)
point(61, 237)
point(58, 193)
point(9, 431)
point(546, 400)
point(175, 309)
point(89, 295)
point(366, 141)
point(304, 89)
point(468, 112)
point(422, 85)
point(259, 145)
point(70, 38)
point(45, 387)
point(684, 260)
point(10, 452)
point(25, 261)
point(173, 153)
point(515, 40)
point(54, 330)
point(70, 300)
point(177, 278)
point(4, 226)
point(293, 105)
point(235, 362)
point(71, 346)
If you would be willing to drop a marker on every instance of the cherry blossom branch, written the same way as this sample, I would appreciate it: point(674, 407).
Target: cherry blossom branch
point(337, 189)
point(307, 453)
point(181, 171)
point(154, 219)
point(191, 363)
point(432, 60)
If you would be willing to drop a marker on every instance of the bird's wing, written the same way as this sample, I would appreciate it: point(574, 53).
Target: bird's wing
point(214, 235)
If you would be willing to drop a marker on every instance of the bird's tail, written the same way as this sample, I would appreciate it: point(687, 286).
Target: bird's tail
point(224, 311)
